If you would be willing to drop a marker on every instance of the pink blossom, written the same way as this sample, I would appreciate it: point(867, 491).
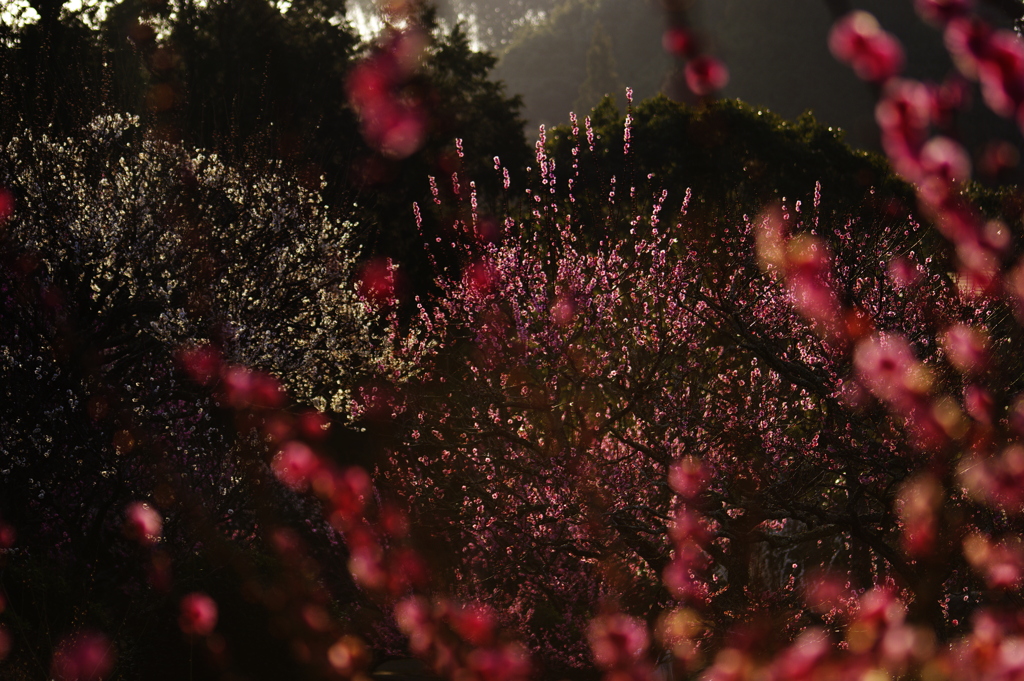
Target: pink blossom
point(403, 133)
point(367, 568)
point(295, 464)
point(353, 488)
point(394, 521)
point(8, 535)
point(143, 523)
point(246, 388)
point(687, 477)
point(378, 281)
point(505, 663)
point(941, 12)
point(858, 40)
point(815, 300)
point(919, 501)
point(900, 645)
point(406, 569)
point(238, 385)
point(678, 577)
point(772, 237)
point(1001, 73)
point(903, 272)
point(800, 659)
point(348, 655)
point(880, 605)
point(314, 425)
point(944, 165)
point(415, 621)
point(475, 624)
point(995, 236)
point(1002, 480)
point(278, 428)
point(886, 365)
point(617, 640)
point(967, 40)
point(392, 121)
point(480, 277)
point(267, 391)
point(678, 41)
point(1011, 658)
point(705, 75)
point(904, 115)
point(198, 615)
point(824, 591)
point(1002, 562)
point(978, 268)
point(85, 656)
point(730, 664)
point(677, 630)
point(563, 309)
point(979, 404)
point(202, 363)
point(966, 348)
point(6, 205)
point(948, 99)
point(1015, 416)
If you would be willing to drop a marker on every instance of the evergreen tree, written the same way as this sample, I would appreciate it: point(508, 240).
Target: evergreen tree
point(602, 72)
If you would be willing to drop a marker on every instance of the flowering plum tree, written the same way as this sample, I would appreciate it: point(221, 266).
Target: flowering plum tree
point(555, 386)
point(130, 268)
point(734, 158)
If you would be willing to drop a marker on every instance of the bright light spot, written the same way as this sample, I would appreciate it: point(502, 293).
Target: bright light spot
point(365, 20)
point(17, 13)
point(92, 13)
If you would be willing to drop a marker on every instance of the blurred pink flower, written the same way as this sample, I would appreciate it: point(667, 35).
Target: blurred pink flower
point(887, 367)
point(202, 362)
point(799, 660)
point(903, 272)
point(857, 39)
point(1001, 73)
point(967, 41)
point(85, 656)
point(314, 425)
point(378, 281)
point(415, 621)
point(941, 12)
point(475, 624)
point(617, 640)
point(295, 464)
point(966, 348)
point(979, 404)
point(143, 523)
point(7, 535)
point(198, 614)
point(944, 165)
point(393, 121)
point(706, 75)
point(678, 41)
point(687, 477)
